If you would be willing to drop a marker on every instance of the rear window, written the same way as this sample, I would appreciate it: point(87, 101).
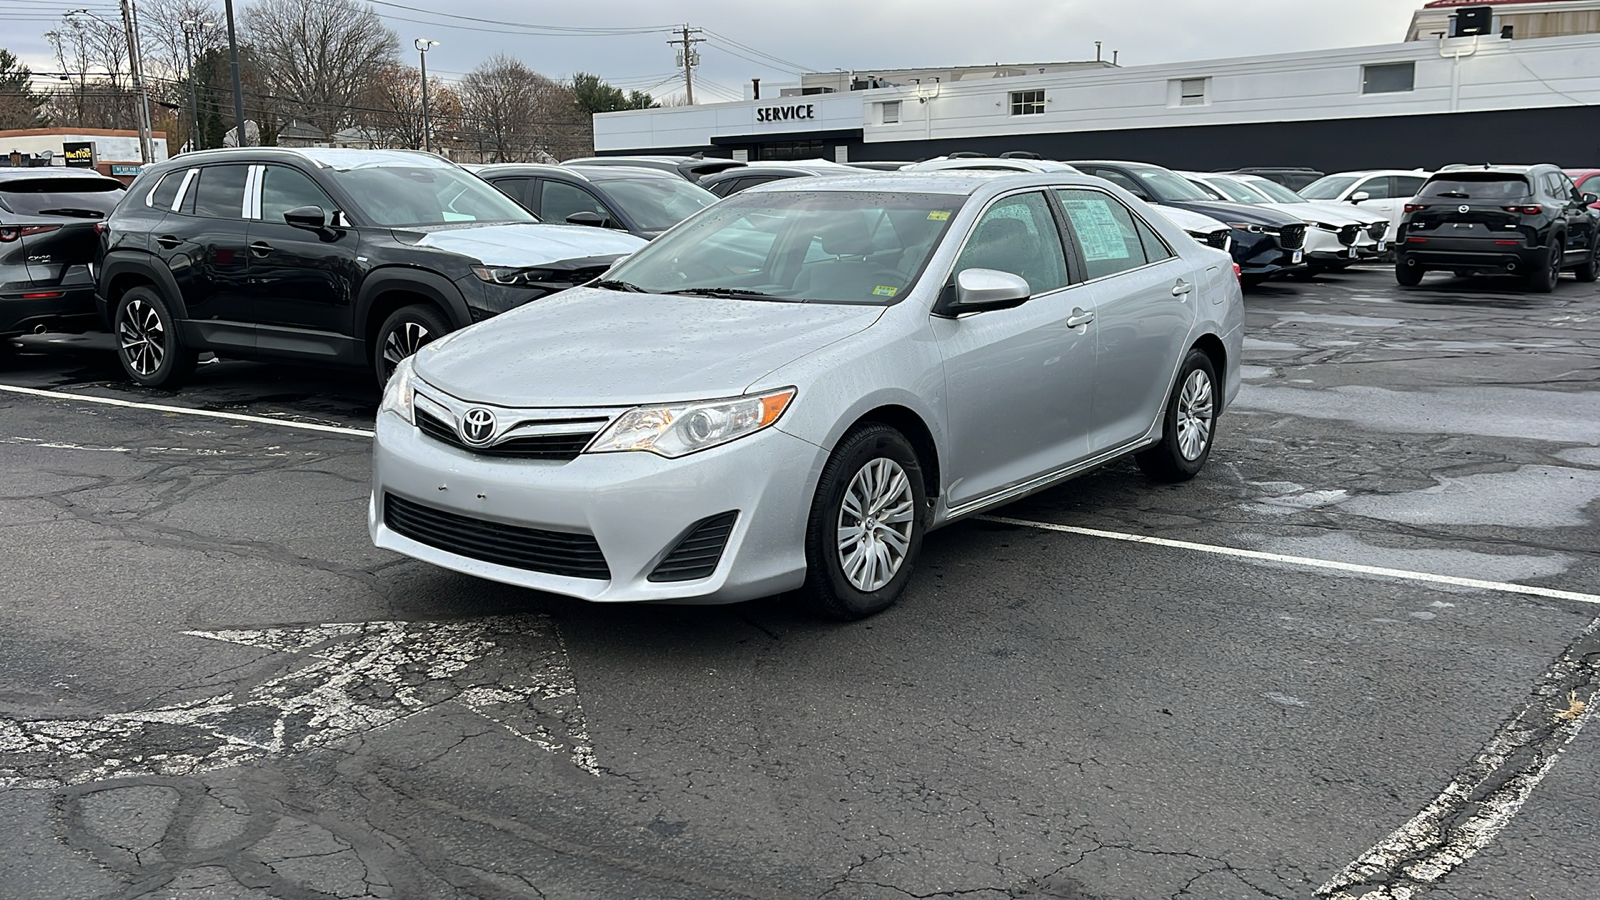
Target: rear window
point(78, 198)
point(1485, 186)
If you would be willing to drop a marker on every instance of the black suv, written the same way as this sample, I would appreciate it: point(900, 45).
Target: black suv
point(1515, 220)
point(642, 202)
point(47, 243)
point(352, 258)
point(1266, 242)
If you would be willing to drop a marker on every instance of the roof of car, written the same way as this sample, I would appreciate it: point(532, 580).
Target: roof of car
point(1490, 167)
point(328, 157)
point(615, 173)
point(491, 169)
point(12, 174)
point(960, 182)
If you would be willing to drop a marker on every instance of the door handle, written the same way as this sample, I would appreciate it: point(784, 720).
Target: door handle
point(1079, 317)
point(261, 248)
point(1181, 288)
point(168, 241)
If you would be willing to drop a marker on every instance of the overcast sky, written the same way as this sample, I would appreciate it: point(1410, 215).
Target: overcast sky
point(827, 34)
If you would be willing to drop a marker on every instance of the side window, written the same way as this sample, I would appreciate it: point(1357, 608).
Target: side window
point(1018, 235)
point(167, 191)
point(1568, 189)
point(559, 200)
point(1407, 186)
point(219, 192)
point(515, 188)
point(1210, 192)
point(1122, 181)
point(1155, 249)
point(283, 189)
point(1105, 232)
point(1376, 188)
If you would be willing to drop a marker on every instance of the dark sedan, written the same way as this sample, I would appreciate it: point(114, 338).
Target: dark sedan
point(732, 181)
point(1266, 242)
point(47, 244)
point(643, 202)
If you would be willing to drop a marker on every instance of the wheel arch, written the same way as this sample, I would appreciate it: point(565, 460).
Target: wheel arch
point(387, 290)
point(911, 424)
point(125, 270)
point(1213, 348)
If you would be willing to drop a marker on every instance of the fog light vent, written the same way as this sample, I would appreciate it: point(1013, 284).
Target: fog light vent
point(697, 555)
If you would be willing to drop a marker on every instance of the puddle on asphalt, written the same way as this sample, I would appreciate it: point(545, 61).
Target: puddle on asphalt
point(1487, 411)
point(1257, 372)
point(1345, 321)
point(1251, 343)
point(1530, 497)
point(1441, 561)
point(1583, 456)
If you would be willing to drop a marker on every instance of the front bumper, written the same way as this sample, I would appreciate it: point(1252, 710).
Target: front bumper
point(637, 506)
point(1259, 255)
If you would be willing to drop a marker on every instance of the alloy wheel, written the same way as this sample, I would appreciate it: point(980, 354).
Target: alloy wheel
point(142, 337)
point(1194, 415)
point(876, 517)
point(402, 342)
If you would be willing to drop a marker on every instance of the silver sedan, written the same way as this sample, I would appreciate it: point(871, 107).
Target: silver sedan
point(787, 391)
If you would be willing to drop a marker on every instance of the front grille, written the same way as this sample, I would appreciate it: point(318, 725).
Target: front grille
point(1348, 234)
point(558, 447)
point(697, 555)
point(1218, 239)
point(1292, 237)
point(532, 549)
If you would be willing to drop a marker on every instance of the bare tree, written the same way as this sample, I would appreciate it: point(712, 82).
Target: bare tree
point(517, 115)
point(320, 55)
point(161, 37)
point(393, 108)
point(93, 54)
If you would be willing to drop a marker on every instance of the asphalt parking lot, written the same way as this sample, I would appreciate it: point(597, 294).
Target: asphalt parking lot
point(216, 688)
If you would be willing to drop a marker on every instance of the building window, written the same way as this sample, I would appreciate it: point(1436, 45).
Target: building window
point(1388, 78)
point(1191, 92)
point(1027, 103)
point(891, 112)
point(792, 150)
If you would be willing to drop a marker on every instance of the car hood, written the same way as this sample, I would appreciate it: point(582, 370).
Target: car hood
point(592, 347)
point(1187, 220)
point(523, 244)
point(1347, 210)
point(1224, 211)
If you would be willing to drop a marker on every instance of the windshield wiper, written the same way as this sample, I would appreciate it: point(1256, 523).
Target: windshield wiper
point(1459, 195)
point(614, 285)
point(729, 293)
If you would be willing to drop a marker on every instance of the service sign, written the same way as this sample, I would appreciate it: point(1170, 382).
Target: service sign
point(793, 112)
point(79, 155)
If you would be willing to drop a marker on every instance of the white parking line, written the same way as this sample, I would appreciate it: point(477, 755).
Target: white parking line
point(186, 411)
point(1306, 561)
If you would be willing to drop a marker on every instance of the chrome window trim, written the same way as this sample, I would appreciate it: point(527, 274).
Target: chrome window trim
point(150, 197)
point(183, 189)
point(251, 208)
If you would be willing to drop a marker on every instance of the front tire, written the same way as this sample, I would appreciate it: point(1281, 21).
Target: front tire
point(407, 330)
point(865, 529)
point(148, 344)
point(1542, 280)
point(1190, 424)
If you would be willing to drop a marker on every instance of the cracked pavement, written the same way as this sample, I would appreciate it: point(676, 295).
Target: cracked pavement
point(300, 715)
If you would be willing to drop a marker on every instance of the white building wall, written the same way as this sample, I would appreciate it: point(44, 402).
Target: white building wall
point(108, 148)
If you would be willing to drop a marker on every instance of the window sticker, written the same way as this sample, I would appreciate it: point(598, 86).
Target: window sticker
point(939, 215)
point(1098, 230)
point(884, 290)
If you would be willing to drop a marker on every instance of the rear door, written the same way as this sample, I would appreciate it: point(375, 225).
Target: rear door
point(303, 282)
point(205, 244)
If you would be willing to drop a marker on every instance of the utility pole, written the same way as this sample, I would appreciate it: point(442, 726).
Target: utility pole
point(130, 26)
point(191, 27)
point(422, 45)
point(233, 62)
point(688, 57)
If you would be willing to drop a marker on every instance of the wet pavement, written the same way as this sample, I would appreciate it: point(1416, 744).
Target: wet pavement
point(216, 688)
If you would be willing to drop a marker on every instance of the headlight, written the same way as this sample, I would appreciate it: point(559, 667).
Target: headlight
point(1246, 226)
point(674, 430)
point(503, 274)
point(398, 394)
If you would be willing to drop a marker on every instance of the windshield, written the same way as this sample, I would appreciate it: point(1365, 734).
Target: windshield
point(1238, 191)
point(1167, 186)
point(81, 198)
point(1274, 190)
point(656, 204)
point(1477, 187)
point(1328, 187)
point(859, 247)
point(398, 196)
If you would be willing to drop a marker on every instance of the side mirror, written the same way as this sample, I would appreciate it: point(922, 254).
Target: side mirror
point(590, 218)
point(308, 217)
point(1591, 199)
point(1359, 196)
point(982, 290)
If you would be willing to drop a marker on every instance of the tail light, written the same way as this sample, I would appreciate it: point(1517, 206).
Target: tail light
point(1533, 210)
point(1416, 207)
point(99, 228)
point(1238, 273)
point(11, 233)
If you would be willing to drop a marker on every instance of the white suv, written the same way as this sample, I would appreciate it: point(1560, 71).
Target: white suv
point(1378, 190)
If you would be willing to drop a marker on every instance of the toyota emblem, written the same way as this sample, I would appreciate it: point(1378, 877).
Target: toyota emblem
point(477, 425)
point(1463, 208)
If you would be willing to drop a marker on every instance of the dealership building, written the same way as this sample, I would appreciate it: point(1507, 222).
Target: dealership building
point(1526, 85)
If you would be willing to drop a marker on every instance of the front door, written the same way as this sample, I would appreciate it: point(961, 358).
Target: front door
point(304, 282)
point(1019, 382)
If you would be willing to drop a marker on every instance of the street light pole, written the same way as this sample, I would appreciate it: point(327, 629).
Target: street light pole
point(191, 27)
point(233, 61)
point(422, 45)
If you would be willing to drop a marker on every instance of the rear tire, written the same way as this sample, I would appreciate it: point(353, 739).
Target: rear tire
point(1190, 426)
point(407, 330)
point(1589, 271)
point(1542, 280)
point(149, 347)
point(865, 529)
point(1406, 275)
